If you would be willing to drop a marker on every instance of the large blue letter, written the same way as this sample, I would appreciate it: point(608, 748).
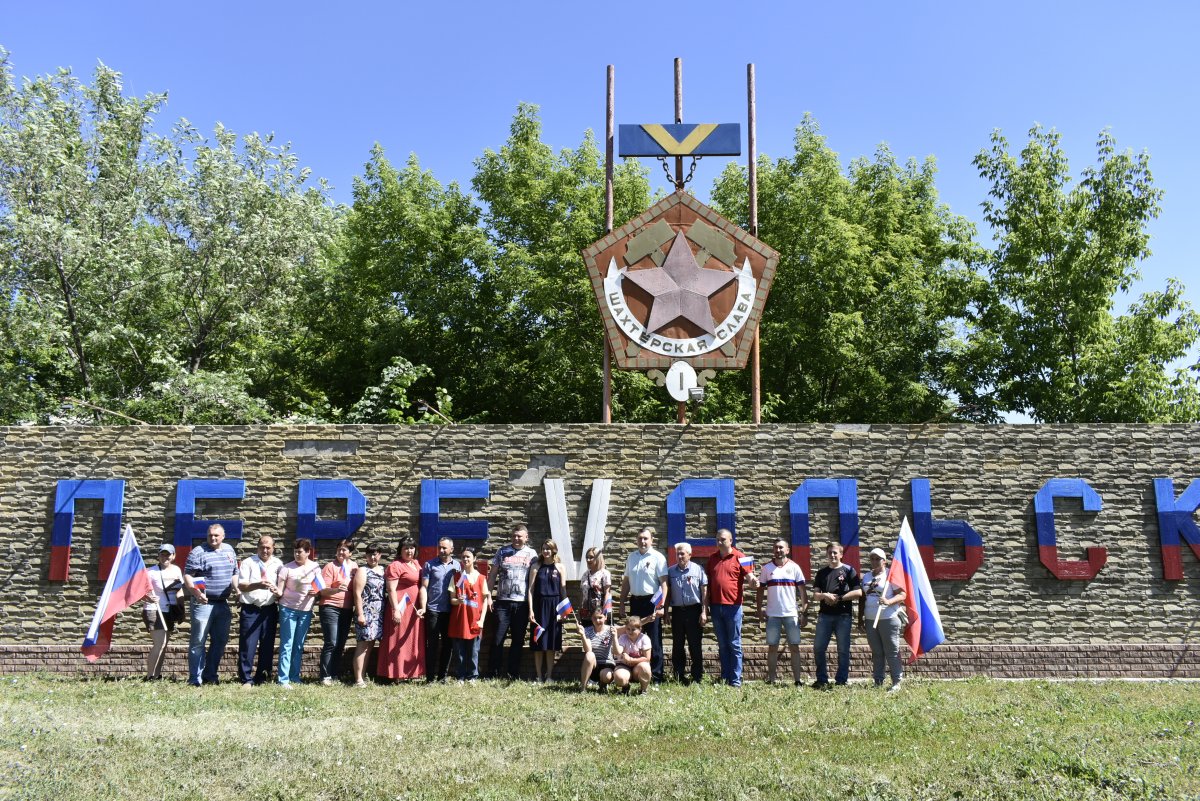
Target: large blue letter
point(307, 525)
point(721, 491)
point(433, 528)
point(187, 528)
point(112, 492)
point(1043, 509)
point(1176, 524)
point(845, 490)
point(926, 530)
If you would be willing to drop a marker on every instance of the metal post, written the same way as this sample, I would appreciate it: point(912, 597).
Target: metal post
point(606, 405)
point(752, 157)
point(678, 120)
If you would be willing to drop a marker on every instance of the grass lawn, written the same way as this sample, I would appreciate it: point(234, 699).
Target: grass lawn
point(66, 739)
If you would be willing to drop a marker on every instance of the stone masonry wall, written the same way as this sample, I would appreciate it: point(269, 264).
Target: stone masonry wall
point(985, 475)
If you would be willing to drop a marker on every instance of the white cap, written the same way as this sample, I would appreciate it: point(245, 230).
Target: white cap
point(879, 552)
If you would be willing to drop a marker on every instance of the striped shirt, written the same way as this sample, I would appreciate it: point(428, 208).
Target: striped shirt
point(217, 565)
point(781, 582)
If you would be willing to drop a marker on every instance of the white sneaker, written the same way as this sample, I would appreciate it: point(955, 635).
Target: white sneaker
point(895, 688)
point(327, 681)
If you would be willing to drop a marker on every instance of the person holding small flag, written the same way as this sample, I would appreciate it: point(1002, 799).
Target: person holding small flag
point(547, 588)
point(595, 585)
point(433, 607)
point(879, 616)
point(728, 571)
point(299, 581)
point(258, 577)
point(402, 649)
point(209, 576)
point(469, 597)
point(598, 652)
point(685, 614)
point(159, 614)
point(337, 610)
point(835, 586)
point(367, 590)
point(643, 593)
point(633, 652)
point(782, 582)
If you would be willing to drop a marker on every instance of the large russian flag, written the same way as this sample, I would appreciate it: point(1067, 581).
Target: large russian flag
point(127, 583)
point(908, 571)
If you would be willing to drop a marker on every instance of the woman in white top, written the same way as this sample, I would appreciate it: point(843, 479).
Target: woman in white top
point(884, 600)
point(166, 579)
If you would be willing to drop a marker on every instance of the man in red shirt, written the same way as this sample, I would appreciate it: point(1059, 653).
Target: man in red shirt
point(727, 570)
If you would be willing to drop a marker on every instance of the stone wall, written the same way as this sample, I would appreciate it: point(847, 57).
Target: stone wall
point(987, 476)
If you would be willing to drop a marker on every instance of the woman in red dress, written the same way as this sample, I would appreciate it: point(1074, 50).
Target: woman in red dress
point(402, 649)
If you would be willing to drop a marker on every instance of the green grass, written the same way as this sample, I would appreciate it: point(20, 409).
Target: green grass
point(64, 738)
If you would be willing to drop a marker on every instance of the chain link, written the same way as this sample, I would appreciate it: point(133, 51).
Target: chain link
point(671, 175)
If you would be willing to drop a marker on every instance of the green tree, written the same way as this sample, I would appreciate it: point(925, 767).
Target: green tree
point(873, 279)
point(1044, 338)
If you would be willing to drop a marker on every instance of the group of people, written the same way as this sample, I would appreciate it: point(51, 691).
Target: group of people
point(427, 620)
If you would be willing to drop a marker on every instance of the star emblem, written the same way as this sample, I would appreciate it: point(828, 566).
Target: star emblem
point(680, 288)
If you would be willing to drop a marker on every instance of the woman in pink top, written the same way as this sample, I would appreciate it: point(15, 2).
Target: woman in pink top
point(633, 655)
point(298, 579)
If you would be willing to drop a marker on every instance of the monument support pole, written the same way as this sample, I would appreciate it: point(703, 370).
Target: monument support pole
point(681, 415)
point(752, 171)
point(606, 405)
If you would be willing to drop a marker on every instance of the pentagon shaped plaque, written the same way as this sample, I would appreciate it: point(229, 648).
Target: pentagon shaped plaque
point(680, 283)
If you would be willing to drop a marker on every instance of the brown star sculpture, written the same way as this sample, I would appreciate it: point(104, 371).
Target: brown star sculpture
point(680, 288)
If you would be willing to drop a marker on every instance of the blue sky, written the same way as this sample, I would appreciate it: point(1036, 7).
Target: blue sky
point(443, 79)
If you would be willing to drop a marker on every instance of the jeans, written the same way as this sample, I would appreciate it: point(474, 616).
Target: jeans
point(209, 621)
point(686, 631)
point(467, 652)
point(256, 633)
point(727, 625)
point(827, 627)
point(643, 607)
point(885, 644)
point(335, 628)
point(437, 644)
point(511, 616)
point(293, 628)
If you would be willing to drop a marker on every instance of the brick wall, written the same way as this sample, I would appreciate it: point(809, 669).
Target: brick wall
point(1011, 618)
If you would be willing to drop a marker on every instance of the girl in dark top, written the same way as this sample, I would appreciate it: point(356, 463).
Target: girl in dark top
point(547, 586)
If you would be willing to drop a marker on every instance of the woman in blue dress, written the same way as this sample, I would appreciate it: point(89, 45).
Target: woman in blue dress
point(547, 586)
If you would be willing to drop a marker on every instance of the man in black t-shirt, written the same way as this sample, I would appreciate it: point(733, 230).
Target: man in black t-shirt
point(834, 588)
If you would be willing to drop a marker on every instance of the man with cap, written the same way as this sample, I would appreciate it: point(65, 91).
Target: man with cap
point(258, 578)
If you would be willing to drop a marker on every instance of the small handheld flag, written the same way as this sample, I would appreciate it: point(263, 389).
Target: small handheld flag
point(908, 571)
point(746, 561)
point(608, 606)
point(564, 607)
point(538, 631)
point(199, 583)
point(127, 583)
point(402, 605)
point(318, 582)
point(462, 580)
point(658, 598)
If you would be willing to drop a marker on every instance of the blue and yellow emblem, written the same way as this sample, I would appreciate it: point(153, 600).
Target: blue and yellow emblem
point(695, 139)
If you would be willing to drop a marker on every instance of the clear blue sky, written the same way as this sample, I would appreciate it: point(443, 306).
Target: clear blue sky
point(443, 79)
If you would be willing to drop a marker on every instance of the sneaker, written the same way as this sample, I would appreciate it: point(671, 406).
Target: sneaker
point(895, 688)
point(360, 683)
point(327, 681)
point(247, 685)
point(287, 685)
point(820, 685)
point(799, 683)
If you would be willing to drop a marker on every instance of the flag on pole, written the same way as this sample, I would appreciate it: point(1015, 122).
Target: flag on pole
point(608, 606)
point(564, 607)
point(908, 571)
point(658, 598)
point(128, 582)
point(538, 631)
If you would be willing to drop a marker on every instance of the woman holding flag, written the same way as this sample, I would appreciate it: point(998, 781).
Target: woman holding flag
point(546, 591)
point(337, 610)
point(879, 616)
point(159, 615)
point(469, 598)
point(301, 581)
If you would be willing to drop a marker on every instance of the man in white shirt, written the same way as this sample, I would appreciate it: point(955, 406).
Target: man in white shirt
point(646, 575)
point(258, 577)
point(783, 581)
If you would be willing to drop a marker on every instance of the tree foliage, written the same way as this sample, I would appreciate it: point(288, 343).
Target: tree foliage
point(1045, 340)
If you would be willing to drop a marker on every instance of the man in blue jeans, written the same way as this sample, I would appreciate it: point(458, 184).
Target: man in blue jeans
point(835, 587)
point(216, 564)
point(728, 570)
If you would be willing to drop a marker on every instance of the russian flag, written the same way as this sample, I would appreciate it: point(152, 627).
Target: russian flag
point(402, 605)
point(908, 571)
point(199, 582)
point(608, 606)
point(319, 583)
point(538, 631)
point(127, 583)
point(746, 561)
point(658, 598)
point(564, 607)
